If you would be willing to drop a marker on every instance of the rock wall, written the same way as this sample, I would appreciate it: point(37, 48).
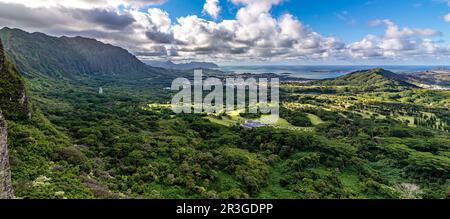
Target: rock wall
point(6, 190)
point(2, 56)
point(7, 103)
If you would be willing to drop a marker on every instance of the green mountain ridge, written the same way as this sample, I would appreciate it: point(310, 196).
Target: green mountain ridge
point(373, 79)
point(29, 142)
point(13, 93)
point(40, 54)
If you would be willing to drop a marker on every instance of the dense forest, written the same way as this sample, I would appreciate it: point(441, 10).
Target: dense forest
point(337, 139)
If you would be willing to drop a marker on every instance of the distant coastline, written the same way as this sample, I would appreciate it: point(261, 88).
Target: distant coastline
point(321, 71)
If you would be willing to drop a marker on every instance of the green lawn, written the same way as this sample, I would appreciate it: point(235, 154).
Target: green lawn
point(233, 118)
point(315, 120)
point(224, 121)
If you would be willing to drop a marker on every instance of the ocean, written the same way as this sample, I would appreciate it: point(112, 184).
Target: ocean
point(320, 72)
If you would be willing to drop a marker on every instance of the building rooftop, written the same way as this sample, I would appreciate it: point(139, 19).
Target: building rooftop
point(253, 124)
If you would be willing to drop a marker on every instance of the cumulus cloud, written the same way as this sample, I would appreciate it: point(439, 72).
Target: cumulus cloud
point(253, 35)
point(69, 15)
point(127, 27)
point(159, 26)
point(83, 4)
point(212, 8)
point(109, 19)
point(45, 19)
point(447, 18)
point(397, 43)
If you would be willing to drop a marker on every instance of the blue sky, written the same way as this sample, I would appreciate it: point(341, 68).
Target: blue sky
point(250, 31)
point(336, 17)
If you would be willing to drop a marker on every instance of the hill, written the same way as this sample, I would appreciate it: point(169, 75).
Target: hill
point(373, 79)
point(37, 53)
point(436, 78)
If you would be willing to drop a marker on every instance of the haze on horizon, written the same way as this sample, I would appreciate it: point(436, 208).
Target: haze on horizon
point(232, 32)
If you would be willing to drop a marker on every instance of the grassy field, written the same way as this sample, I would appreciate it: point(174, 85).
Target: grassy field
point(233, 118)
point(315, 120)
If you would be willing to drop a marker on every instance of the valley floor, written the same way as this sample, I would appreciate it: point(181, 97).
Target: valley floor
point(127, 143)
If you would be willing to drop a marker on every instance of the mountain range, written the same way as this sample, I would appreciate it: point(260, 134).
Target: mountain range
point(40, 54)
point(70, 141)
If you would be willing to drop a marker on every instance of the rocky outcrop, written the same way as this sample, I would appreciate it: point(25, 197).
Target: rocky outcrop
point(14, 105)
point(6, 190)
point(14, 101)
point(2, 56)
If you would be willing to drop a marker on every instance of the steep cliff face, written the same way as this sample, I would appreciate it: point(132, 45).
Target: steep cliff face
point(2, 56)
point(6, 191)
point(14, 105)
point(14, 101)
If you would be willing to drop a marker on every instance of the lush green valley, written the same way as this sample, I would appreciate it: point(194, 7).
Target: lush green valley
point(369, 134)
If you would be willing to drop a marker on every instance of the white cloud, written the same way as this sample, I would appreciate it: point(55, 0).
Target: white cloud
point(447, 18)
point(99, 19)
point(393, 31)
point(212, 8)
point(83, 4)
point(253, 35)
point(375, 23)
point(397, 43)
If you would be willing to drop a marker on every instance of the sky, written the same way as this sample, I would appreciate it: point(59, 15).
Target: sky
point(238, 32)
